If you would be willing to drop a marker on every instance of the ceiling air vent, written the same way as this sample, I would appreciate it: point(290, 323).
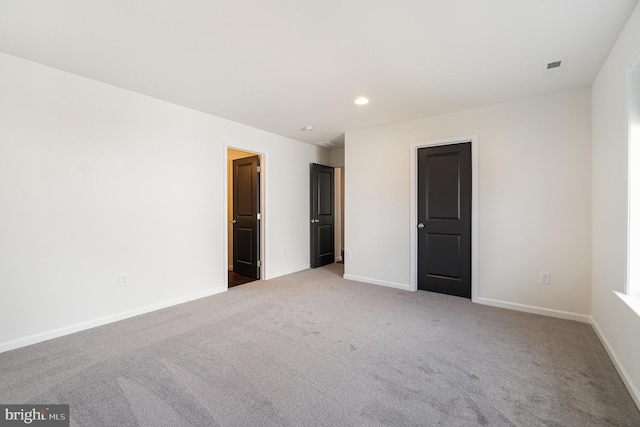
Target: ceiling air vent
point(556, 66)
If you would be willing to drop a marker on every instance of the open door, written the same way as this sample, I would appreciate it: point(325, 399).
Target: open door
point(246, 216)
point(322, 215)
point(444, 219)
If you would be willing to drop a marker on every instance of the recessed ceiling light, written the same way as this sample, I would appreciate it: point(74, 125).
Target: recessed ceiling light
point(361, 101)
point(307, 128)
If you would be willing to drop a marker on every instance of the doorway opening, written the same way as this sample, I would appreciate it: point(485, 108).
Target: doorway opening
point(633, 249)
point(322, 210)
point(244, 210)
point(339, 213)
point(327, 215)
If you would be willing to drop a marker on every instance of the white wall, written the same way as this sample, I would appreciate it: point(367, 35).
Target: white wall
point(96, 180)
point(617, 324)
point(534, 199)
point(336, 157)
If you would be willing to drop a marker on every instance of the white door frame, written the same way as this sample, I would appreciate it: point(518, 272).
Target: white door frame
point(263, 208)
point(413, 204)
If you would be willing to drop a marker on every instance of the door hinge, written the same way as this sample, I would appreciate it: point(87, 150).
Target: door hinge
point(258, 216)
point(258, 169)
point(259, 263)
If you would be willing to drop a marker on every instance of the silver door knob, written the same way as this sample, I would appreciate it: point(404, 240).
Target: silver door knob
point(233, 221)
point(421, 226)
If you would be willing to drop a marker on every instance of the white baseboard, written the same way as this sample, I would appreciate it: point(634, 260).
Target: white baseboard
point(487, 301)
point(633, 390)
point(338, 258)
point(100, 321)
point(287, 271)
point(377, 282)
point(535, 310)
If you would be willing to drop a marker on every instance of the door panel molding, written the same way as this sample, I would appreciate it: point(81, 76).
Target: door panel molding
point(441, 165)
point(413, 203)
point(448, 249)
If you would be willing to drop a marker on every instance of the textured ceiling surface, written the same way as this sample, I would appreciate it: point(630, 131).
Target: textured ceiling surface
point(281, 65)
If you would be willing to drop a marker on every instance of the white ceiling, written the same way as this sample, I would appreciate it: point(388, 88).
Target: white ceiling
point(280, 65)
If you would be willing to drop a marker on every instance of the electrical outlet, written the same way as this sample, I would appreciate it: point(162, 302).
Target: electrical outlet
point(124, 279)
point(545, 278)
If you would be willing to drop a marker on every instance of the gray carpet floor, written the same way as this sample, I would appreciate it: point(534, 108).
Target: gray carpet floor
point(313, 349)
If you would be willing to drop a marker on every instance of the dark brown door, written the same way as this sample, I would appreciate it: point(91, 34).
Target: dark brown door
point(322, 202)
point(246, 214)
point(444, 219)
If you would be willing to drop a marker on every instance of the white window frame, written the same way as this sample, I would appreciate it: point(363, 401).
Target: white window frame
point(631, 294)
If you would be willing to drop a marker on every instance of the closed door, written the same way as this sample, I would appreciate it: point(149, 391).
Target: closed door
point(322, 215)
point(444, 219)
point(246, 217)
